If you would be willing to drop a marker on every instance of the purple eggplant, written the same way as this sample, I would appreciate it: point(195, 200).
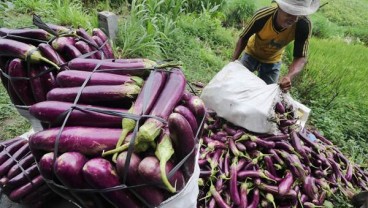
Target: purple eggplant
point(234, 192)
point(58, 28)
point(26, 189)
point(36, 83)
point(253, 174)
point(21, 179)
point(100, 174)
point(219, 200)
point(26, 33)
point(6, 143)
point(151, 90)
point(149, 169)
point(189, 116)
point(124, 93)
point(86, 140)
point(70, 52)
point(279, 108)
point(133, 69)
point(19, 82)
point(152, 195)
point(101, 46)
point(166, 102)
point(87, 38)
point(24, 163)
point(255, 199)
point(243, 195)
point(23, 51)
point(46, 165)
point(68, 169)
point(59, 43)
point(84, 48)
point(196, 105)
point(74, 78)
point(107, 47)
point(183, 140)
point(48, 52)
point(16, 150)
point(54, 112)
point(286, 183)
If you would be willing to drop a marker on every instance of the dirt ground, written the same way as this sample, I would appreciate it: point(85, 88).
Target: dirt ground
point(54, 203)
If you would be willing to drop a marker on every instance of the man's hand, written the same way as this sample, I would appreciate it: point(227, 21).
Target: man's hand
point(285, 83)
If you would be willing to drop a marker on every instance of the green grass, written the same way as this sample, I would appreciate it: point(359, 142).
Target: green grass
point(335, 66)
point(11, 123)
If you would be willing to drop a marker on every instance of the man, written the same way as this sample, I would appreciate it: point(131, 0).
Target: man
point(267, 34)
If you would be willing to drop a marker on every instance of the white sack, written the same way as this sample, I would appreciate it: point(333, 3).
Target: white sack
point(188, 196)
point(242, 98)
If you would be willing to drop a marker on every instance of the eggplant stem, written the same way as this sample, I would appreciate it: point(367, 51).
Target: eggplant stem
point(116, 150)
point(122, 137)
point(164, 178)
point(50, 62)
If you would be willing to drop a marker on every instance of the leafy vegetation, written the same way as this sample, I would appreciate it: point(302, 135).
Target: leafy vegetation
point(202, 34)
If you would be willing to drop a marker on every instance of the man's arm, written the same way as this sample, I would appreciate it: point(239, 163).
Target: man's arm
point(240, 45)
point(294, 69)
point(302, 35)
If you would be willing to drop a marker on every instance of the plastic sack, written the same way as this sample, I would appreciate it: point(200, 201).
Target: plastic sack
point(188, 196)
point(242, 98)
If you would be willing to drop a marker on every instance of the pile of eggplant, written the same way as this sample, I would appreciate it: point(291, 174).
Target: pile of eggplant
point(30, 58)
point(296, 168)
point(20, 179)
point(116, 132)
point(138, 151)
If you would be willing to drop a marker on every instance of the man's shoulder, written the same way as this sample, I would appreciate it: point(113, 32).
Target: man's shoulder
point(304, 22)
point(265, 11)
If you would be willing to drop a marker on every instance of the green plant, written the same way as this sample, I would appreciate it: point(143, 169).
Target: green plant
point(324, 28)
point(138, 34)
point(194, 6)
point(71, 12)
point(41, 7)
point(335, 69)
point(237, 12)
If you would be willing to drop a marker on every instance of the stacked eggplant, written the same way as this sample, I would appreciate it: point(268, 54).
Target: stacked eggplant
point(131, 148)
point(296, 168)
point(31, 58)
point(117, 132)
point(20, 179)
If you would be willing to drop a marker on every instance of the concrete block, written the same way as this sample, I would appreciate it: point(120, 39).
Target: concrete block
point(108, 22)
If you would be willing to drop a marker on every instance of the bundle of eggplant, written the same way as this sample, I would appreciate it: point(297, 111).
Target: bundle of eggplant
point(297, 168)
point(137, 153)
point(20, 178)
point(30, 58)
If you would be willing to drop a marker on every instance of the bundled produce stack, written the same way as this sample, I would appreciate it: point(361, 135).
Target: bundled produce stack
point(20, 178)
point(30, 58)
point(296, 168)
point(116, 132)
point(137, 155)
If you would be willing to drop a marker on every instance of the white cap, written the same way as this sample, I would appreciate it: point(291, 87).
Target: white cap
point(298, 7)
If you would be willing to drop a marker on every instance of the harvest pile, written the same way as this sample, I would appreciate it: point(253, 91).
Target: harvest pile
point(121, 132)
point(20, 179)
point(243, 169)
